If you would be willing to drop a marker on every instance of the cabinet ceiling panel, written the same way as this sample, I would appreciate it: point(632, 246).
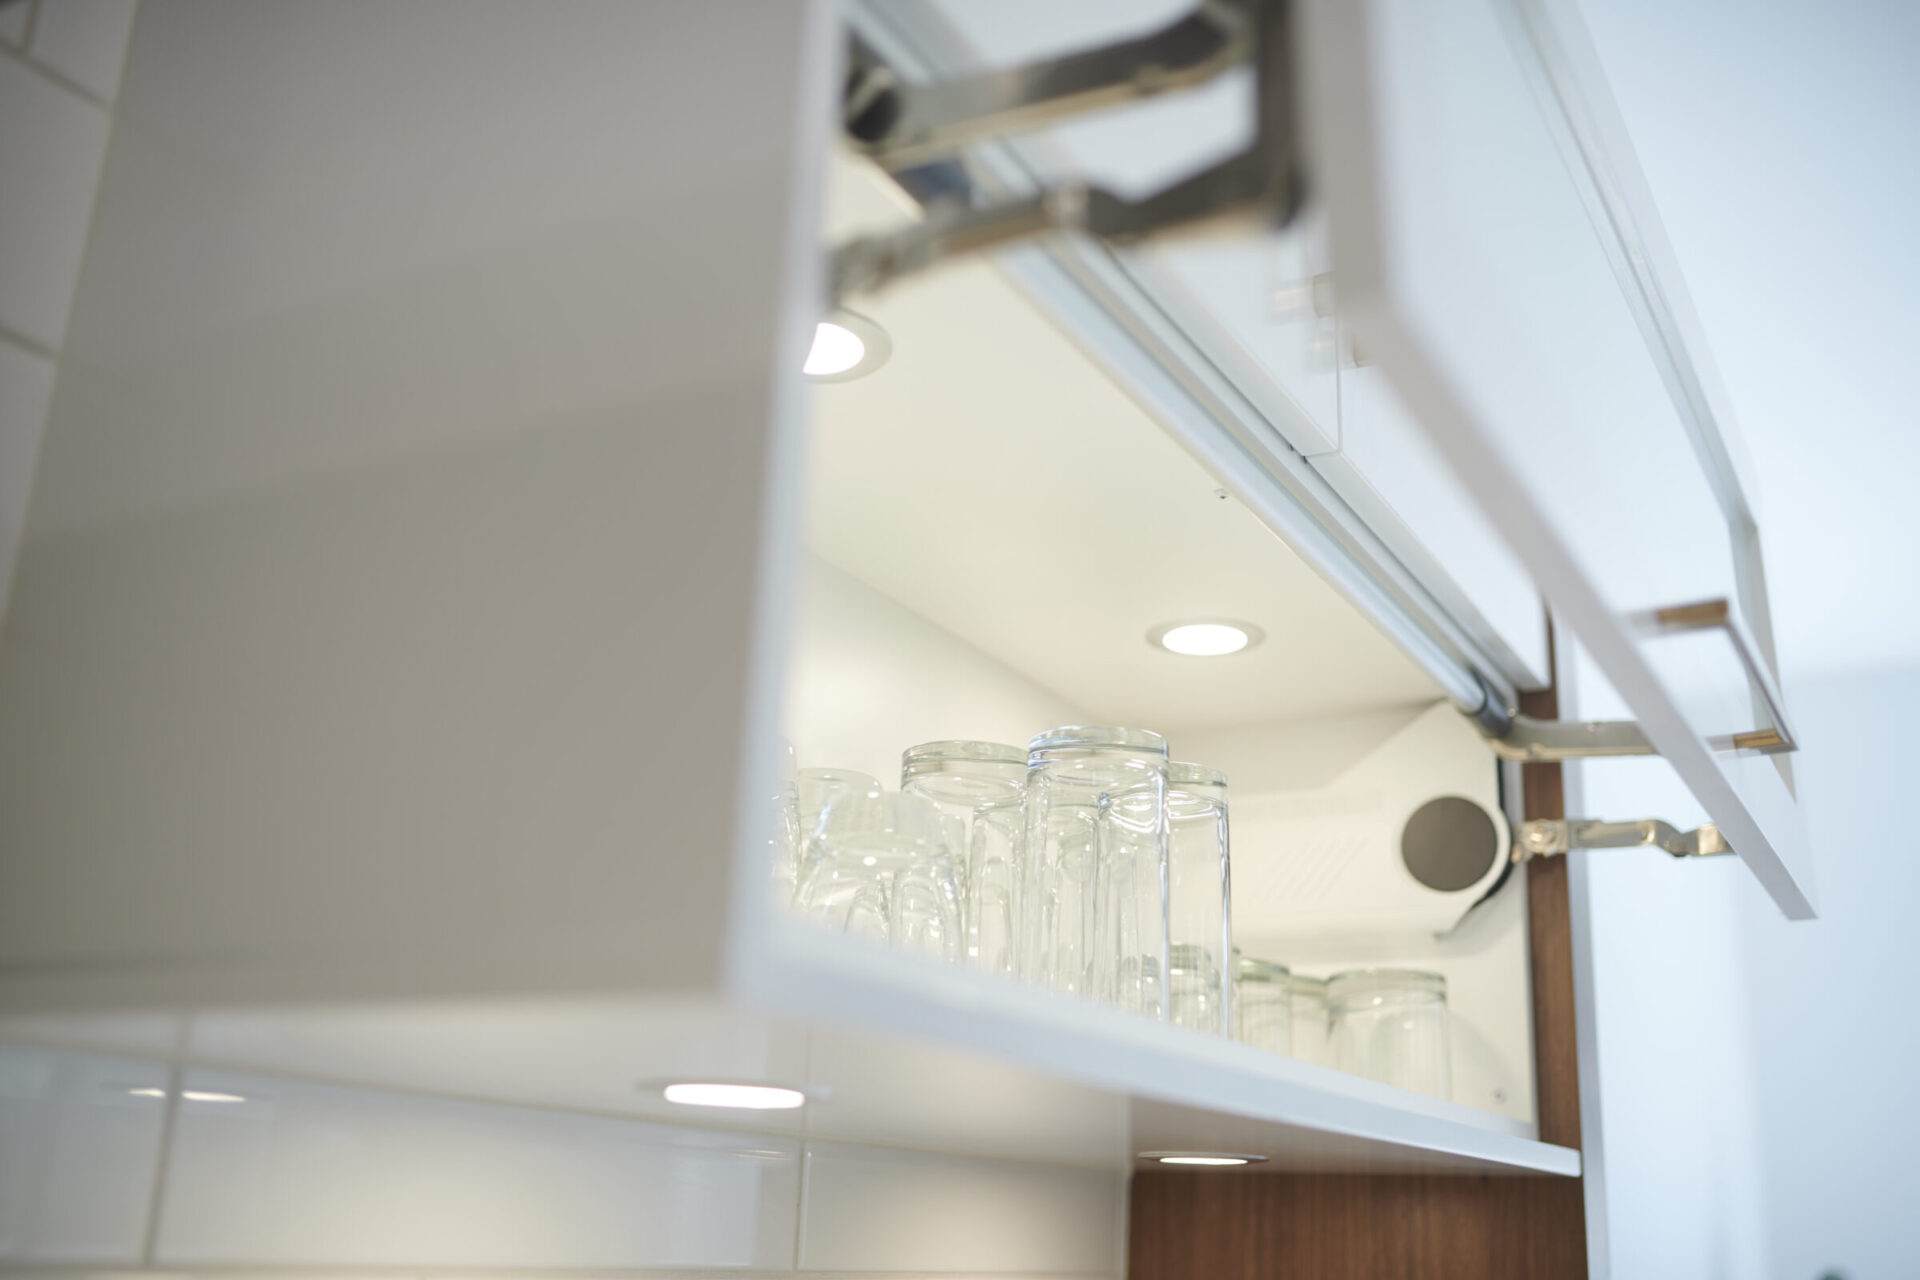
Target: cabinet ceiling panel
point(992, 478)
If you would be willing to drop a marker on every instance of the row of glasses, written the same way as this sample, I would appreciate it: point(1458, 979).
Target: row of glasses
point(1389, 1025)
point(1093, 865)
point(1089, 863)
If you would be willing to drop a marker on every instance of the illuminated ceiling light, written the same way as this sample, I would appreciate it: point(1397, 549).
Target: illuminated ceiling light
point(1205, 638)
point(146, 1093)
point(752, 1097)
point(846, 346)
point(1210, 1159)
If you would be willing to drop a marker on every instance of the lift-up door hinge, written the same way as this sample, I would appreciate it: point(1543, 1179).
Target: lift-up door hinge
point(1546, 837)
point(1518, 737)
point(903, 126)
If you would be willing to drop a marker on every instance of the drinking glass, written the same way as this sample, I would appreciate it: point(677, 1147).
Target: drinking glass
point(815, 789)
point(1094, 912)
point(1199, 912)
point(783, 836)
point(1307, 1005)
point(1390, 1025)
point(883, 866)
point(980, 786)
point(1262, 1004)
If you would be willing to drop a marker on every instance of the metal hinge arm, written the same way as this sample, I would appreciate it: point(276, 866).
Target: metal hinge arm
point(1547, 837)
point(900, 124)
point(1518, 737)
point(1263, 181)
point(1545, 741)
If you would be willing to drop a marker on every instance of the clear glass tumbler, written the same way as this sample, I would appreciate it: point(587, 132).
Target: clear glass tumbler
point(1094, 913)
point(783, 836)
point(1307, 1002)
point(1262, 1004)
point(1199, 912)
point(815, 789)
point(884, 866)
point(1390, 1025)
point(980, 786)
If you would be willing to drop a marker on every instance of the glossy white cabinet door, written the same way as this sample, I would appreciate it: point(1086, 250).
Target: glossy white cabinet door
point(1486, 266)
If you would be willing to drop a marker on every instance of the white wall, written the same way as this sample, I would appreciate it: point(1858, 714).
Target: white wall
point(1753, 1115)
point(870, 678)
point(1667, 1092)
point(1835, 1039)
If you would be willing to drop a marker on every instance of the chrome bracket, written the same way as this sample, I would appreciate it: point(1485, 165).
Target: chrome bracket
point(1548, 837)
point(1518, 737)
point(902, 125)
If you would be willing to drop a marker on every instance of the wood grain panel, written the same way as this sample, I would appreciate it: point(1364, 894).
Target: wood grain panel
point(1550, 942)
point(1221, 1226)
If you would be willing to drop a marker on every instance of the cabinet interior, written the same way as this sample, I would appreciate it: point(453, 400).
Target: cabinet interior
point(993, 526)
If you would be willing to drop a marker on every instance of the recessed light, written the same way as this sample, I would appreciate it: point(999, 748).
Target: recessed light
point(1205, 637)
point(846, 345)
point(1210, 1159)
point(751, 1097)
point(188, 1095)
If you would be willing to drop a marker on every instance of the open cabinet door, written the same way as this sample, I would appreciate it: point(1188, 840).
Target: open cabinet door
point(1488, 260)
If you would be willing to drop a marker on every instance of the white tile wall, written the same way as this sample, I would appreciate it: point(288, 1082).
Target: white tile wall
point(50, 156)
point(308, 1175)
point(871, 1209)
point(85, 41)
point(26, 388)
point(78, 1153)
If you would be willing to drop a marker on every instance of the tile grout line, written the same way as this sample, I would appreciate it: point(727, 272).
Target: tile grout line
point(805, 1167)
point(163, 1160)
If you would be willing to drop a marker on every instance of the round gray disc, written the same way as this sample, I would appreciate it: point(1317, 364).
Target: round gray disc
point(1449, 843)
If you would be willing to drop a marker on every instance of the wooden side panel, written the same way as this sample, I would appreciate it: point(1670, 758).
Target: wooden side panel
point(1198, 1226)
point(1550, 942)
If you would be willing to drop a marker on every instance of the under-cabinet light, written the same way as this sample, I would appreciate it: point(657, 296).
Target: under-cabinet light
point(845, 347)
point(1205, 639)
point(752, 1097)
point(188, 1095)
point(1208, 1158)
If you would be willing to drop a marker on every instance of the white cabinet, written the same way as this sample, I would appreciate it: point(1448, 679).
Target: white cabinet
point(434, 537)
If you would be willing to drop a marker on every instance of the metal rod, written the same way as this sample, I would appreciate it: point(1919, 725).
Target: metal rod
point(899, 124)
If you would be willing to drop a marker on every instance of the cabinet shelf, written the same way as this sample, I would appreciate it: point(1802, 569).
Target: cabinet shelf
point(903, 1052)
